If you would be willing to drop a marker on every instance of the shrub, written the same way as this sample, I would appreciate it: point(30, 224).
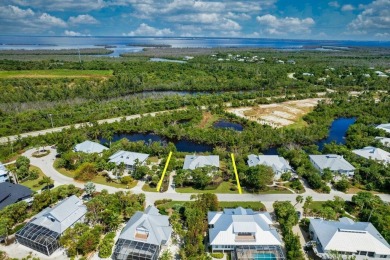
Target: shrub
point(342, 185)
point(325, 188)
point(163, 201)
point(34, 174)
point(286, 176)
point(217, 255)
point(86, 172)
point(126, 180)
point(59, 163)
point(105, 249)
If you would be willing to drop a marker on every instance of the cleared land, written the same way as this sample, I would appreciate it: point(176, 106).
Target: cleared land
point(55, 74)
point(278, 114)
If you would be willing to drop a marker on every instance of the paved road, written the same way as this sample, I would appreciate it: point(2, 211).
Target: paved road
point(46, 165)
point(12, 138)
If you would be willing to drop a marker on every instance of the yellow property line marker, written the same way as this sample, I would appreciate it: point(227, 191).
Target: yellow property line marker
point(163, 174)
point(235, 172)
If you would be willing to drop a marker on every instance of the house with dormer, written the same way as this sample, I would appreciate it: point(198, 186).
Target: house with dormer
point(143, 236)
point(278, 164)
point(246, 233)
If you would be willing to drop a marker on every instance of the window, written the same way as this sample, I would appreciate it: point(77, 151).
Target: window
point(371, 254)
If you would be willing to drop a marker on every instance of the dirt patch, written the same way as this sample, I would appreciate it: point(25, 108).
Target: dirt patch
point(277, 114)
point(207, 116)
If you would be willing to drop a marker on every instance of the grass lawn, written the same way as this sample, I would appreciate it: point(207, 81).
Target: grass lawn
point(316, 205)
point(207, 120)
point(59, 73)
point(255, 205)
point(300, 123)
point(224, 187)
point(147, 188)
point(33, 184)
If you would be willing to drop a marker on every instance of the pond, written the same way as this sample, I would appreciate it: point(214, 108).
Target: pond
point(228, 125)
point(181, 145)
point(337, 132)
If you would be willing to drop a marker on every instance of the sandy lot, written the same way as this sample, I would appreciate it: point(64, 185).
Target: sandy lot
point(277, 114)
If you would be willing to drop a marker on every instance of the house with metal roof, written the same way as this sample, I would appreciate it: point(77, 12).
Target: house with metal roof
point(335, 163)
point(130, 159)
point(385, 127)
point(348, 238)
point(373, 153)
point(3, 173)
point(11, 193)
point(143, 236)
point(383, 140)
point(90, 147)
point(246, 233)
point(191, 162)
point(278, 164)
point(44, 229)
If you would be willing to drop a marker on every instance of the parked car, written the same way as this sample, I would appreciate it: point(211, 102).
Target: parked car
point(48, 187)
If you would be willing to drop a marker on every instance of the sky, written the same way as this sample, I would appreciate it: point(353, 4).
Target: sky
point(282, 19)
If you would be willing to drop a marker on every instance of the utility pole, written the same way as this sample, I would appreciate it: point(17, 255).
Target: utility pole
point(51, 120)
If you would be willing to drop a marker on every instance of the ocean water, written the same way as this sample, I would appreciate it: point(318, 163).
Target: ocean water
point(121, 43)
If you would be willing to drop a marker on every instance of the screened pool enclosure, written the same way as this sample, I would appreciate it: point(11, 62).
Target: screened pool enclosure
point(38, 238)
point(135, 250)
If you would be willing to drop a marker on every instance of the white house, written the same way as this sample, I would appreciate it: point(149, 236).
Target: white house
point(128, 158)
point(373, 153)
point(90, 147)
point(383, 140)
point(45, 228)
point(385, 127)
point(348, 238)
point(335, 163)
point(278, 164)
point(245, 232)
point(191, 162)
point(143, 236)
point(3, 173)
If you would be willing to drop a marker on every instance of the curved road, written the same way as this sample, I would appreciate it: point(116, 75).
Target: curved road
point(46, 165)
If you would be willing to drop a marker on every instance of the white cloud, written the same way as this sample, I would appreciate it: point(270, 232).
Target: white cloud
point(83, 19)
point(374, 19)
point(283, 26)
point(334, 4)
point(238, 16)
point(146, 30)
point(347, 8)
point(14, 12)
point(51, 20)
point(62, 5)
point(73, 33)
point(382, 35)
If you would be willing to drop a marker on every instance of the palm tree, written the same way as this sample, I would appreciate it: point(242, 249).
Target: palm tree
point(298, 199)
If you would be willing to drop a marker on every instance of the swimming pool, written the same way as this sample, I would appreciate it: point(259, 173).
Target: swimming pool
point(264, 256)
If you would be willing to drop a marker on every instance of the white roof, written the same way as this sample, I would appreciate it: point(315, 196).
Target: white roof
point(373, 153)
point(348, 236)
point(231, 221)
point(384, 140)
point(62, 216)
point(278, 164)
point(90, 147)
point(128, 158)
point(152, 222)
point(385, 127)
point(194, 161)
point(332, 161)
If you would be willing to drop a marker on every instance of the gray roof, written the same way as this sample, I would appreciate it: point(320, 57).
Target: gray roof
point(151, 222)
point(128, 158)
point(385, 127)
point(332, 161)
point(62, 216)
point(90, 147)
point(192, 162)
point(278, 164)
point(384, 140)
point(347, 235)
point(11, 193)
point(373, 153)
